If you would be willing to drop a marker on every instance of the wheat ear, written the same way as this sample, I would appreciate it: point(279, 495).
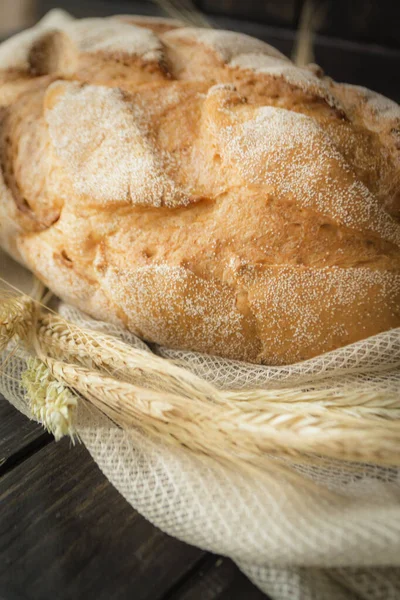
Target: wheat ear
point(225, 431)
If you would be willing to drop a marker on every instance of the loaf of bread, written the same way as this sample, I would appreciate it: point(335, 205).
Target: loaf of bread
point(199, 188)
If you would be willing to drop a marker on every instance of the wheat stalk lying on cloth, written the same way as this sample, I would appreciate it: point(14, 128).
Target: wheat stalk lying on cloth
point(51, 402)
point(136, 388)
point(206, 427)
point(16, 315)
point(93, 349)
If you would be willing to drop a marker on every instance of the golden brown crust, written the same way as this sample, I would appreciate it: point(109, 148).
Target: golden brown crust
point(199, 188)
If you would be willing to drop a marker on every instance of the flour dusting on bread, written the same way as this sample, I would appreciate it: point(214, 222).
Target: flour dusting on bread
point(291, 298)
point(291, 152)
point(100, 139)
point(113, 37)
point(228, 45)
point(199, 188)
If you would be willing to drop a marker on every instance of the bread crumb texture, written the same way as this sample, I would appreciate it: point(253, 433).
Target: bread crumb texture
point(199, 188)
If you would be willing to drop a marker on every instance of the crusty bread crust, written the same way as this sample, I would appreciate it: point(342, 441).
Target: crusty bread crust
point(196, 186)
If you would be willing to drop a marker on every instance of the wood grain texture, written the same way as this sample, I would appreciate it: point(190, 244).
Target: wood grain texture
point(100, 8)
point(18, 436)
point(372, 21)
point(280, 12)
point(65, 532)
point(217, 579)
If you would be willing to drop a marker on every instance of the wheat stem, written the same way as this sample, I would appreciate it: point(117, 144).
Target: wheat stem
point(134, 388)
point(50, 402)
point(215, 429)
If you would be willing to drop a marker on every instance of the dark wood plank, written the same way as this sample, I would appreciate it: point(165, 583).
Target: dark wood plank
point(44, 473)
point(18, 435)
point(65, 533)
point(375, 21)
point(217, 579)
point(100, 8)
point(281, 12)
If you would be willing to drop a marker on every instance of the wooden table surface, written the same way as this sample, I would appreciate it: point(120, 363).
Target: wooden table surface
point(66, 533)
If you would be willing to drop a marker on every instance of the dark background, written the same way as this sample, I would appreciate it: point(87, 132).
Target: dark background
point(368, 21)
point(358, 41)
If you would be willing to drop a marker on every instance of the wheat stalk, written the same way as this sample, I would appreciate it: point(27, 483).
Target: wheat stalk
point(134, 387)
point(185, 11)
point(50, 402)
point(16, 315)
point(311, 18)
point(60, 339)
point(229, 432)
